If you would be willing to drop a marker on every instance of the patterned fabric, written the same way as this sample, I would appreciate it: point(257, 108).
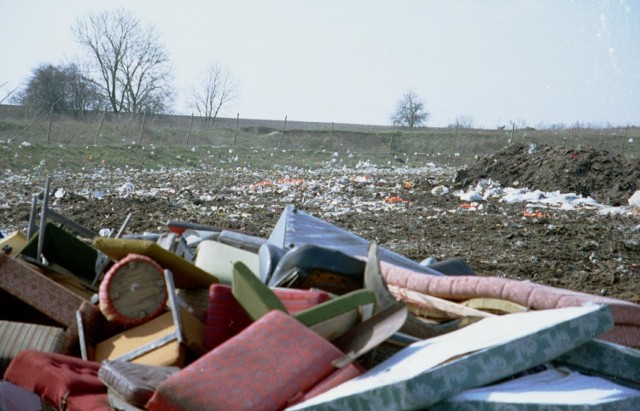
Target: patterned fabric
point(38, 290)
point(553, 389)
point(55, 377)
point(429, 371)
point(626, 315)
point(226, 317)
point(606, 359)
point(267, 364)
point(134, 383)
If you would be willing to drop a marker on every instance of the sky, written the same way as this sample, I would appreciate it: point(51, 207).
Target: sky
point(532, 62)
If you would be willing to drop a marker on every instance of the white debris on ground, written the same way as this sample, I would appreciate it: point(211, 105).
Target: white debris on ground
point(487, 189)
point(333, 190)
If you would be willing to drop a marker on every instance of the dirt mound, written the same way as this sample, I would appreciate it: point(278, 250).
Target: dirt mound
point(608, 178)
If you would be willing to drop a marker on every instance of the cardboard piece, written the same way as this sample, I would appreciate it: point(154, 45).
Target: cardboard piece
point(167, 352)
point(428, 371)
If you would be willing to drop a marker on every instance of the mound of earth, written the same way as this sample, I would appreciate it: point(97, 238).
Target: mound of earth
point(608, 178)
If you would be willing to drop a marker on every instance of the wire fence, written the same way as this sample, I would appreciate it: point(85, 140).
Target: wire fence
point(106, 128)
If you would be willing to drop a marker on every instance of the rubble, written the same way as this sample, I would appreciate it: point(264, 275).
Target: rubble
point(282, 308)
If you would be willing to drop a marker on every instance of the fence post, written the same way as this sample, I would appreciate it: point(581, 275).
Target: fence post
point(284, 125)
point(331, 135)
point(189, 132)
point(50, 121)
point(455, 137)
point(235, 135)
point(144, 117)
point(95, 137)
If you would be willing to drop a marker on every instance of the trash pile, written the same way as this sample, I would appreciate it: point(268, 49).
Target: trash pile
point(311, 316)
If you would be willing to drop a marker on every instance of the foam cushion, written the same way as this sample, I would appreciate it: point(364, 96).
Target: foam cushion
point(134, 383)
point(267, 364)
point(226, 317)
point(53, 376)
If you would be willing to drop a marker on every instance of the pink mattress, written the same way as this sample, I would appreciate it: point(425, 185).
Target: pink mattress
point(626, 315)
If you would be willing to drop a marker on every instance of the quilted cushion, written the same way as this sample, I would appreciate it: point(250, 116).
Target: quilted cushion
point(267, 364)
point(55, 377)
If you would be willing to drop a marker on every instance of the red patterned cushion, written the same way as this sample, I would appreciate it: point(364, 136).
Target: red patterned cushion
point(263, 367)
point(54, 376)
point(226, 317)
point(93, 402)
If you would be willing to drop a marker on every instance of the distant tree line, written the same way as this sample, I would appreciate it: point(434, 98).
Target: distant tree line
point(125, 69)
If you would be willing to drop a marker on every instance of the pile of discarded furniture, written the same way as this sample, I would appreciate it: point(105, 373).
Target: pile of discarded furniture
point(313, 317)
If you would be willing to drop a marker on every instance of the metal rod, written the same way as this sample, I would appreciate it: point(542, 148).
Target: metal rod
point(43, 219)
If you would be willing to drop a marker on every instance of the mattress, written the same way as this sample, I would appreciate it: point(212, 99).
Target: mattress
point(626, 315)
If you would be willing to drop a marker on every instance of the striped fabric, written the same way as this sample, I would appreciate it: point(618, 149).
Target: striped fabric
point(15, 337)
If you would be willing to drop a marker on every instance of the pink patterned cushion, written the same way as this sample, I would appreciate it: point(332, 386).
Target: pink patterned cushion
point(56, 377)
point(226, 317)
point(273, 360)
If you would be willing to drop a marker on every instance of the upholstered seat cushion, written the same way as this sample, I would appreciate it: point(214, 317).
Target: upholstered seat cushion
point(270, 362)
point(134, 383)
point(55, 377)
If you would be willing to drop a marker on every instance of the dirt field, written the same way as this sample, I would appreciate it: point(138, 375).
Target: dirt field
point(578, 249)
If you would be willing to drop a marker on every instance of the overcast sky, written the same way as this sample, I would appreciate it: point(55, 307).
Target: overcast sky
point(495, 61)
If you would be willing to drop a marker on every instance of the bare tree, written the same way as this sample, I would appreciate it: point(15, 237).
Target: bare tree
point(410, 111)
point(464, 121)
point(6, 96)
point(132, 67)
point(216, 89)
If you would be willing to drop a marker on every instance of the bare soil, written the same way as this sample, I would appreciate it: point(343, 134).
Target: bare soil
point(574, 249)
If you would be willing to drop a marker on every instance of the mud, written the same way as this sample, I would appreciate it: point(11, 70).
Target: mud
point(575, 249)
